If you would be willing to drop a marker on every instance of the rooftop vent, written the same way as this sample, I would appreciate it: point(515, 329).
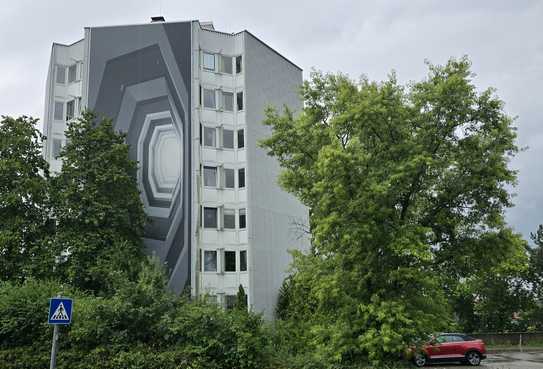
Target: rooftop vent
point(207, 25)
point(160, 18)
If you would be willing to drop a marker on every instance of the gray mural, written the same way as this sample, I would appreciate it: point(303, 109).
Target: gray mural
point(140, 77)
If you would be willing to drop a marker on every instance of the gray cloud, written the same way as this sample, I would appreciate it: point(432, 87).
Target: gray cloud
point(504, 39)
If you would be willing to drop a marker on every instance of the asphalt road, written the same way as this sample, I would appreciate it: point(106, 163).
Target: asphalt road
point(506, 360)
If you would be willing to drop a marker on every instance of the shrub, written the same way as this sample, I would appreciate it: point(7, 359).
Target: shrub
point(140, 326)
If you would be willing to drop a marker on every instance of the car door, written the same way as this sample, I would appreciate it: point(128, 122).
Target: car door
point(456, 346)
point(437, 350)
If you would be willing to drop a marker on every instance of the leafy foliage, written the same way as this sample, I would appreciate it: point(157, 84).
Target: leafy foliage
point(241, 299)
point(406, 186)
point(139, 324)
point(535, 278)
point(23, 201)
point(97, 207)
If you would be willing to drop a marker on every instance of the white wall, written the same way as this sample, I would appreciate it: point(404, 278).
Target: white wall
point(65, 55)
point(270, 80)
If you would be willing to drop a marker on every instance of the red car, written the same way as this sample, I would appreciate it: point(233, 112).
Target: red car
point(452, 347)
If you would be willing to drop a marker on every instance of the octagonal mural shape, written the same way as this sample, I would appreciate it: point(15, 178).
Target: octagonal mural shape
point(160, 154)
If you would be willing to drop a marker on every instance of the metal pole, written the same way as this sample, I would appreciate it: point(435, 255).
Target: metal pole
point(54, 348)
point(54, 345)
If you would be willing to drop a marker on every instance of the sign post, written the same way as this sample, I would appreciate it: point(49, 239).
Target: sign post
point(60, 313)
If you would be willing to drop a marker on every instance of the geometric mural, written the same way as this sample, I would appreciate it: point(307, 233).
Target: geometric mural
point(140, 76)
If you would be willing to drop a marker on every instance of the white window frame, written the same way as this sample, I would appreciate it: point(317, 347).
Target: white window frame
point(76, 79)
point(204, 88)
point(235, 262)
point(223, 169)
point(204, 53)
point(222, 105)
point(231, 212)
point(236, 64)
point(63, 103)
point(222, 129)
point(242, 100)
point(221, 64)
point(73, 101)
point(57, 66)
point(246, 261)
point(214, 135)
point(217, 263)
point(237, 138)
point(204, 176)
point(217, 217)
point(61, 142)
point(239, 218)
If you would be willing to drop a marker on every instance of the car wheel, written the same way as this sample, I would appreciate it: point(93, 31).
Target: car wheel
point(419, 360)
point(473, 358)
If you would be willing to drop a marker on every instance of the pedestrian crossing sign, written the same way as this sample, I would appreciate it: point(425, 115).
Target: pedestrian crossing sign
point(60, 310)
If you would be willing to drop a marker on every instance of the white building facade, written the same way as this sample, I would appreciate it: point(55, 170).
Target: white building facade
point(191, 101)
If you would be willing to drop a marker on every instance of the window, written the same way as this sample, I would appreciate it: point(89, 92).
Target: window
point(241, 178)
point(225, 64)
point(457, 338)
point(227, 102)
point(72, 73)
point(210, 176)
point(442, 339)
point(241, 139)
point(209, 61)
point(61, 74)
point(212, 299)
point(238, 64)
point(229, 261)
point(229, 219)
point(243, 261)
point(59, 110)
point(57, 146)
point(229, 178)
point(210, 261)
point(227, 138)
point(209, 137)
point(230, 301)
point(210, 217)
point(242, 219)
point(239, 100)
point(70, 110)
point(209, 98)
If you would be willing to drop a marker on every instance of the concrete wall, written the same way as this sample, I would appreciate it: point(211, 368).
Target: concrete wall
point(217, 283)
point(270, 80)
point(140, 76)
point(64, 55)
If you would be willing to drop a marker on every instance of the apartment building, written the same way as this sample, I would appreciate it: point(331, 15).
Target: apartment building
point(191, 100)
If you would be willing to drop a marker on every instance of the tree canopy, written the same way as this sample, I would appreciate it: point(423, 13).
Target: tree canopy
point(97, 207)
point(406, 188)
point(24, 209)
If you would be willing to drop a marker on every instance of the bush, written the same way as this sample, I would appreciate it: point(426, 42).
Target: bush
point(140, 326)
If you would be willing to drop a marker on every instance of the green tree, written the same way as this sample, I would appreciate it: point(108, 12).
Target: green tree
point(140, 325)
point(405, 185)
point(497, 297)
point(98, 211)
point(535, 278)
point(24, 251)
point(241, 299)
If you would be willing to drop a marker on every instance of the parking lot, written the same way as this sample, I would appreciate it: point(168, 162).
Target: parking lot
point(506, 360)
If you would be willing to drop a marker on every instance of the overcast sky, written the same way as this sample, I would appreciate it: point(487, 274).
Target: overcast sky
point(504, 40)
